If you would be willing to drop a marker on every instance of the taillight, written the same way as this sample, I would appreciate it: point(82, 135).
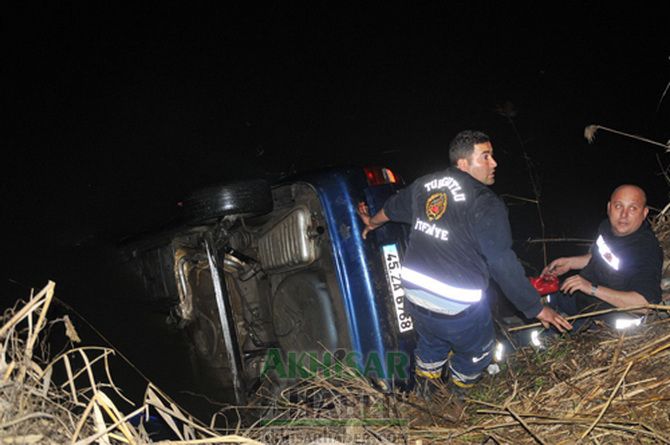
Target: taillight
point(379, 176)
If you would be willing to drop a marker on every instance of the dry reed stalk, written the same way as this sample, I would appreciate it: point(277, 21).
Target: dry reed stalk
point(587, 378)
point(559, 240)
point(33, 304)
point(658, 307)
point(563, 421)
point(657, 435)
point(585, 400)
point(219, 439)
point(118, 418)
point(31, 403)
point(70, 380)
point(525, 426)
point(650, 345)
point(590, 135)
point(627, 338)
point(609, 402)
point(106, 430)
point(615, 358)
point(32, 338)
point(82, 351)
point(555, 411)
point(646, 388)
point(82, 419)
point(656, 351)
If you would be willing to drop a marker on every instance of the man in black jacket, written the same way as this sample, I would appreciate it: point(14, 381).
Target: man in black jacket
point(460, 237)
point(623, 266)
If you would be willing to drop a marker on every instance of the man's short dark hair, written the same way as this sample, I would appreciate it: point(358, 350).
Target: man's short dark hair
point(463, 144)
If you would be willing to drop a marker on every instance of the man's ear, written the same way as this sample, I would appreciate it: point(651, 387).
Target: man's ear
point(463, 164)
point(646, 212)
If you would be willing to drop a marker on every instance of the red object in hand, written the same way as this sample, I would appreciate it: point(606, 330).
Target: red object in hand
point(544, 285)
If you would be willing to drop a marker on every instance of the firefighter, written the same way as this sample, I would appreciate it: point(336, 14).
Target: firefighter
point(623, 266)
point(460, 237)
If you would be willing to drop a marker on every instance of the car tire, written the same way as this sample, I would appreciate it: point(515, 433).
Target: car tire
point(253, 197)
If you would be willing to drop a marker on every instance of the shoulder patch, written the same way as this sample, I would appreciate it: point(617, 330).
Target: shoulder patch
point(436, 205)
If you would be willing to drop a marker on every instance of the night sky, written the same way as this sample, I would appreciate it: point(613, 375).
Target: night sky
point(113, 113)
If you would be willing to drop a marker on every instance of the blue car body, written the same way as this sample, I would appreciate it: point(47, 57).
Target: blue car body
point(253, 268)
point(362, 284)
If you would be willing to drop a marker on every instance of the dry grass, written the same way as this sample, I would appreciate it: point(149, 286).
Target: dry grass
point(661, 225)
point(599, 387)
point(602, 386)
point(38, 407)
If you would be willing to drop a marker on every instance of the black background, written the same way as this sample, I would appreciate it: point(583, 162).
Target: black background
point(115, 112)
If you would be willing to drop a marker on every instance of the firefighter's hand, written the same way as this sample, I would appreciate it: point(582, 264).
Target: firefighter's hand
point(557, 267)
point(364, 214)
point(549, 317)
point(576, 283)
point(371, 222)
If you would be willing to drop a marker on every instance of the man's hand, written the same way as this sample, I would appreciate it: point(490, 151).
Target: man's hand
point(562, 265)
point(557, 267)
point(364, 214)
point(370, 222)
point(548, 316)
point(576, 283)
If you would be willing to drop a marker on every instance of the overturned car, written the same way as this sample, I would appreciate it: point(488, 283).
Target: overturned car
point(254, 268)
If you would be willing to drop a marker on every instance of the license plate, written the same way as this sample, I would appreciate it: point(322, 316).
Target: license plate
point(392, 266)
